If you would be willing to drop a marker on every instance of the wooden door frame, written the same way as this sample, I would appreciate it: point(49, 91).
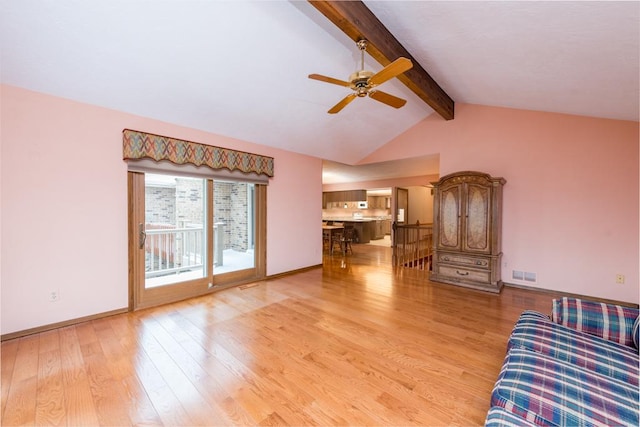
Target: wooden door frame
point(135, 211)
point(395, 199)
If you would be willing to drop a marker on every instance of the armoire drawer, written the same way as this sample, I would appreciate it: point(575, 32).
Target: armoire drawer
point(461, 273)
point(465, 260)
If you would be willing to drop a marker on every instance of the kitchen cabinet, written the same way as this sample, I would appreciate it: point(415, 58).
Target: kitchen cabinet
point(363, 231)
point(379, 202)
point(343, 196)
point(378, 229)
point(373, 202)
point(467, 230)
point(367, 229)
point(386, 226)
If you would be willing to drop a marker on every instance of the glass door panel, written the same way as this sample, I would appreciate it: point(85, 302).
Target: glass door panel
point(174, 229)
point(234, 219)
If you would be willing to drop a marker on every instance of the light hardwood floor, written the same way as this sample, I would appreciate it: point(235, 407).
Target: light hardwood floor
point(352, 343)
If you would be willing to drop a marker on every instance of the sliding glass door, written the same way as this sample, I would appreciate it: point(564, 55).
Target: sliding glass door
point(190, 235)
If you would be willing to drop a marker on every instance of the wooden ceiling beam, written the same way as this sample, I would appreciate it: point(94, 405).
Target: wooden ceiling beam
point(358, 22)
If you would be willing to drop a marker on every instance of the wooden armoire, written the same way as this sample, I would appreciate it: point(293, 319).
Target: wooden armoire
point(467, 228)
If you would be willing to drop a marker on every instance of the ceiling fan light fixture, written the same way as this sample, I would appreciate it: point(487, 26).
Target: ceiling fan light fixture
point(363, 81)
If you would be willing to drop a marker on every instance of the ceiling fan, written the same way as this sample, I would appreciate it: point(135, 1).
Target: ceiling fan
point(363, 82)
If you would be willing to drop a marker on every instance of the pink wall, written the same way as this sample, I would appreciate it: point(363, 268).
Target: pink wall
point(571, 199)
point(572, 193)
point(64, 189)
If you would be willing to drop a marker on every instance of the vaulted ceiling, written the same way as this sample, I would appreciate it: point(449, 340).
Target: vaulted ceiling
point(239, 68)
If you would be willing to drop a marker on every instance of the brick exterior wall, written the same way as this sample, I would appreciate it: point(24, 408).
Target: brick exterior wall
point(189, 201)
point(230, 207)
point(159, 205)
point(181, 206)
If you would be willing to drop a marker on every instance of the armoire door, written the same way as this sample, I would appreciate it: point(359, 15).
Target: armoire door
point(449, 217)
point(477, 219)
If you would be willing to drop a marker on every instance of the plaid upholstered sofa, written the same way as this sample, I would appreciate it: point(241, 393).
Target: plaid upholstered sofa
point(578, 367)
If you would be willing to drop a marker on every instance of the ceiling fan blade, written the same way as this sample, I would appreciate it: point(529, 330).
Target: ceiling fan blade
point(340, 105)
point(387, 98)
point(397, 67)
point(329, 80)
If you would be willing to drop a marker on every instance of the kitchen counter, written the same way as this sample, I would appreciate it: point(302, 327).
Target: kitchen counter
point(349, 219)
point(367, 228)
point(352, 219)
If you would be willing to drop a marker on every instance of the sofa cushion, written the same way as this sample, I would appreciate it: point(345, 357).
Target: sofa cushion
point(537, 333)
point(608, 321)
point(546, 391)
point(500, 417)
point(636, 332)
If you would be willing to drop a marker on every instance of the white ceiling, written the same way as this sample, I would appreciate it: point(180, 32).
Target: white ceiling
point(239, 68)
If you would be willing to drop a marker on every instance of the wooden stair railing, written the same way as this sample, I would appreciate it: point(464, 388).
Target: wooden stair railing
point(412, 246)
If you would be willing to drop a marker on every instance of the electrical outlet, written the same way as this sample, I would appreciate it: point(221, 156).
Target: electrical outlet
point(54, 296)
point(620, 279)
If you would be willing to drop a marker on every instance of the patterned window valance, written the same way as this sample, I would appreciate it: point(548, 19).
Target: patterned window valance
point(140, 145)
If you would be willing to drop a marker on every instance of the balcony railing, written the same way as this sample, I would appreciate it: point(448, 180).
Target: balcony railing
point(173, 250)
point(413, 246)
point(170, 250)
